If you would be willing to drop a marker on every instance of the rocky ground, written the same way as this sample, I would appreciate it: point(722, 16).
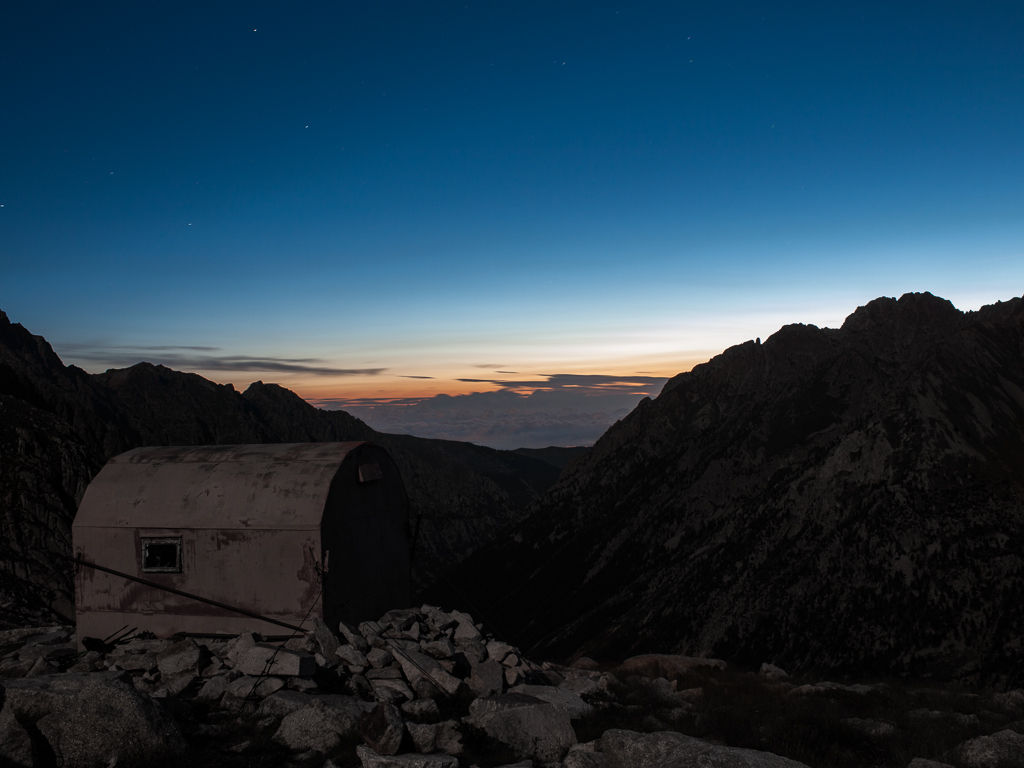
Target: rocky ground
point(429, 688)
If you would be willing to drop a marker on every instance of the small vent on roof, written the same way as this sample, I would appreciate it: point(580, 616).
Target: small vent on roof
point(161, 555)
point(368, 472)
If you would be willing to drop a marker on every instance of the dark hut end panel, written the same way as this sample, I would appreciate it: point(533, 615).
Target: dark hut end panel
point(365, 534)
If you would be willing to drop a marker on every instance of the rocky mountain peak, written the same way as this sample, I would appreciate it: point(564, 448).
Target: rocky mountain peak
point(836, 499)
point(913, 322)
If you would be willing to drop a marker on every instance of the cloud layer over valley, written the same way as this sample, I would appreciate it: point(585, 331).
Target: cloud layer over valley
point(556, 409)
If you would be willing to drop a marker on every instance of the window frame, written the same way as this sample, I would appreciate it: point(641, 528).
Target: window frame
point(147, 541)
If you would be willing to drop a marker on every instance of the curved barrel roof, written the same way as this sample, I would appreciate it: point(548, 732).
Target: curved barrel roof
point(279, 486)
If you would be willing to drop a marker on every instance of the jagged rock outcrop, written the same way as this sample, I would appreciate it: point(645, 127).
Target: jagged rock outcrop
point(59, 425)
point(831, 499)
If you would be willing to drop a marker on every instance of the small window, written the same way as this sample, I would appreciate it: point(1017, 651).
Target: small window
point(161, 555)
point(369, 472)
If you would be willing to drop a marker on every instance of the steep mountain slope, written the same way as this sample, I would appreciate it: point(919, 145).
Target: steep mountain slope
point(59, 425)
point(31, 372)
point(44, 470)
point(847, 499)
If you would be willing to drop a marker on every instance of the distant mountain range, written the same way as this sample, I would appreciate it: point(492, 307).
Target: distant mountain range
point(59, 425)
point(832, 500)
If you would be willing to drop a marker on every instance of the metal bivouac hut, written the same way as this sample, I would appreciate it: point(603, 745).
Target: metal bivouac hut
point(214, 539)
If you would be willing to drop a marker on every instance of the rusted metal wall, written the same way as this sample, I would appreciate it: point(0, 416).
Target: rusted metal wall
point(249, 518)
point(272, 573)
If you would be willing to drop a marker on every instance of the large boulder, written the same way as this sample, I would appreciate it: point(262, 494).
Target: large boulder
point(353, 636)
point(423, 736)
point(325, 638)
point(1000, 750)
point(532, 728)
point(668, 749)
point(382, 728)
point(585, 756)
point(181, 657)
point(247, 686)
point(559, 698)
point(266, 659)
point(351, 656)
point(426, 676)
point(80, 721)
point(322, 724)
point(487, 677)
point(422, 710)
point(283, 703)
point(395, 691)
point(16, 746)
point(448, 737)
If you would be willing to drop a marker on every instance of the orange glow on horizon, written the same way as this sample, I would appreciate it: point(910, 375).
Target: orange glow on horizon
point(385, 387)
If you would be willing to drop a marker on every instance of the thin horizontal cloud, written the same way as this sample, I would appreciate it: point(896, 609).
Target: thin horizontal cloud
point(283, 365)
point(144, 348)
point(125, 357)
point(595, 382)
point(415, 377)
point(336, 403)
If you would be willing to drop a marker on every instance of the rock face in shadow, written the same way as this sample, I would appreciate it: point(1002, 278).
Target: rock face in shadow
point(831, 499)
point(84, 720)
point(59, 425)
point(44, 470)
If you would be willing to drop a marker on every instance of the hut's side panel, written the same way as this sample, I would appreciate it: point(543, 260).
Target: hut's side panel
point(268, 572)
point(365, 531)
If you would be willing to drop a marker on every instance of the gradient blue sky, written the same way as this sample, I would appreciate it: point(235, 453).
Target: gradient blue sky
point(338, 196)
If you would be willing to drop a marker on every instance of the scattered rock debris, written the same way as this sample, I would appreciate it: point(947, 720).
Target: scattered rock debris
point(430, 688)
